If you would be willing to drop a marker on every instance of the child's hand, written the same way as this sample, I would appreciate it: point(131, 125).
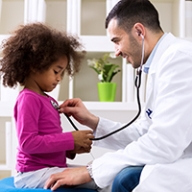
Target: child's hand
point(82, 141)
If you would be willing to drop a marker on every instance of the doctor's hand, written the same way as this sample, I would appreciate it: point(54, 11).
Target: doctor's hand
point(76, 108)
point(68, 177)
point(82, 141)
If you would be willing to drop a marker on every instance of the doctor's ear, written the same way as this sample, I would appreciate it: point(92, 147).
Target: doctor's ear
point(139, 29)
point(140, 34)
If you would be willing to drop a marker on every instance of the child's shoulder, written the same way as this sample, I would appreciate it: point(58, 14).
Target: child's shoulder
point(29, 97)
point(28, 92)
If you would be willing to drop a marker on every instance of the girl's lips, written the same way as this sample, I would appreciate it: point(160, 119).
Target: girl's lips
point(54, 85)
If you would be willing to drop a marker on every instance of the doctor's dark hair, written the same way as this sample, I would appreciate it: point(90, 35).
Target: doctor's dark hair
point(129, 12)
point(35, 47)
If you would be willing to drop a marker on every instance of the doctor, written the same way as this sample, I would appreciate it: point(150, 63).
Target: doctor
point(160, 142)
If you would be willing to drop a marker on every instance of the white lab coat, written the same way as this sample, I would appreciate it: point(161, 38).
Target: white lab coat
point(162, 140)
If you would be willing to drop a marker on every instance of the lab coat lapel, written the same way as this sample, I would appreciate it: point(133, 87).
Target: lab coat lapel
point(166, 42)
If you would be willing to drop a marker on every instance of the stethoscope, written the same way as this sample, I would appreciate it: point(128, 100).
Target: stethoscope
point(137, 85)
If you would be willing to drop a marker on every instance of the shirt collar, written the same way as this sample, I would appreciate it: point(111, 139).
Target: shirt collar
point(147, 65)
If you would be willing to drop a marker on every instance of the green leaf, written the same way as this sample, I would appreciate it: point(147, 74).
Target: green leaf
point(104, 67)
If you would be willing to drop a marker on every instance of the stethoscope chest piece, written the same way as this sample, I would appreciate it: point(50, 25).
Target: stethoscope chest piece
point(54, 104)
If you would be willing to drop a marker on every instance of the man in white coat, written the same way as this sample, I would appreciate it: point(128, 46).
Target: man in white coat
point(160, 142)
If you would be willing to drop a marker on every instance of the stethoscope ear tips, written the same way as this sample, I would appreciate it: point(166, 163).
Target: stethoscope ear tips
point(142, 36)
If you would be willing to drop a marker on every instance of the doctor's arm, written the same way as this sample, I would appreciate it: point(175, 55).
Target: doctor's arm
point(102, 126)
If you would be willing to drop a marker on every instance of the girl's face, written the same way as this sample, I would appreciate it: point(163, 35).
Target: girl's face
point(47, 80)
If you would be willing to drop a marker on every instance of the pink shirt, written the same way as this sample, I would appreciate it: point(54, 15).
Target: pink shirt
point(41, 140)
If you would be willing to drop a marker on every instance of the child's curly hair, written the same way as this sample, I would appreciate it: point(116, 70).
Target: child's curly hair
point(36, 47)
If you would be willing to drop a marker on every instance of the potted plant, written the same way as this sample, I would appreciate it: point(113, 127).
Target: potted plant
point(106, 70)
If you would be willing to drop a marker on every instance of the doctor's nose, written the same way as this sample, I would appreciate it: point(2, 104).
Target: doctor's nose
point(118, 53)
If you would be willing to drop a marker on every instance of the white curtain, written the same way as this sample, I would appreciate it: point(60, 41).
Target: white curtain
point(34, 11)
point(188, 19)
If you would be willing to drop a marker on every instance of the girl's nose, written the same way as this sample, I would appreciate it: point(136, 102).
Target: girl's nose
point(59, 78)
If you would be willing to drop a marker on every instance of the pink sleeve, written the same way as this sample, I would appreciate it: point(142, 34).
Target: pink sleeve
point(36, 131)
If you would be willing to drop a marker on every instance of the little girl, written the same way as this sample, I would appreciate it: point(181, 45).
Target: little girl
point(36, 57)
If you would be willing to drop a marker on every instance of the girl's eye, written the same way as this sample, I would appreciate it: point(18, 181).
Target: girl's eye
point(56, 72)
